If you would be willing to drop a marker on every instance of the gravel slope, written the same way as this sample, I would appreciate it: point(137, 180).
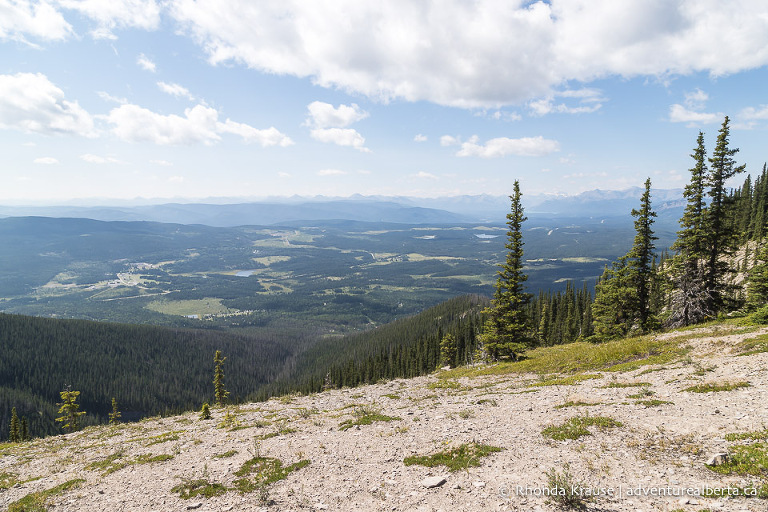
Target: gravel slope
point(660, 449)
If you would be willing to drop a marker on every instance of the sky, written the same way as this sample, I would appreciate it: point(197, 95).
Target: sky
point(124, 99)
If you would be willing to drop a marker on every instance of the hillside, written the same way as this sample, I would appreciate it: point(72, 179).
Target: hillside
point(646, 428)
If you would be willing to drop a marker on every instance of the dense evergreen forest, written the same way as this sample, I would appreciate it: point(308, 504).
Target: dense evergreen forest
point(149, 370)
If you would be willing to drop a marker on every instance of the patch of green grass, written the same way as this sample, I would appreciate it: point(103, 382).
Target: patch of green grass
point(200, 487)
point(393, 396)
point(751, 459)
point(576, 427)
point(365, 416)
point(36, 501)
point(109, 464)
point(164, 438)
point(460, 457)
point(760, 435)
point(566, 490)
point(444, 384)
point(643, 393)
point(577, 403)
point(8, 480)
point(148, 458)
point(712, 387)
point(627, 385)
point(225, 455)
point(570, 380)
point(651, 370)
point(653, 402)
point(752, 346)
point(267, 470)
point(267, 436)
point(113, 462)
point(618, 355)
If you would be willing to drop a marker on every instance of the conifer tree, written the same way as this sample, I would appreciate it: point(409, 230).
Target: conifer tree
point(757, 284)
point(643, 256)
point(623, 295)
point(114, 416)
point(505, 332)
point(14, 434)
point(690, 302)
point(719, 236)
point(69, 410)
point(220, 393)
point(448, 350)
point(615, 299)
point(24, 429)
point(205, 412)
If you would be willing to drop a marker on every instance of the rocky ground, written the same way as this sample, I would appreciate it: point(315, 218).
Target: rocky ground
point(655, 448)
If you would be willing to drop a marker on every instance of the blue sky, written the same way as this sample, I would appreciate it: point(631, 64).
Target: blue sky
point(197, 99)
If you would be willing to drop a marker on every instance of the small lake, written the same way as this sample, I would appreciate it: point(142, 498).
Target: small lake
point(245, 273)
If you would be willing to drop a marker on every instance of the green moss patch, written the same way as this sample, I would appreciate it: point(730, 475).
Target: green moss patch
point(576, 427)
point(36, 501)
point(460, 457)
point(713, 387)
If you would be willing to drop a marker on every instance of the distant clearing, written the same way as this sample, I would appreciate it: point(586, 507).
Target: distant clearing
point(207, 306)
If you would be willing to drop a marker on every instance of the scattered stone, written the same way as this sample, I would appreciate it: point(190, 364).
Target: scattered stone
point(717, 459)
point(195, 505)
point(433, 481)
point(479, 484)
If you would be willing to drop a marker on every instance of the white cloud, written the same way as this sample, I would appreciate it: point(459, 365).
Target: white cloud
point(696, 100)
point(499, 115)
point(175, 90)
point(31, 103)
point(425, 175)
point(420, 138)
point(95, 159)
point(324, 115)
point(47, 160)
point(330, 172)
point(112, 99)
point(116, 14)
point(449, 140)
point(175, 179)
point(146, 63)
point(41, 20)
point(589, 100)
point(341, 137)
point(268, 137)
point(751, 113)
point(477, 54)
point(164, 163)
point(199, 124)
point(503, 146)
point(680, 114)
point(283, 174)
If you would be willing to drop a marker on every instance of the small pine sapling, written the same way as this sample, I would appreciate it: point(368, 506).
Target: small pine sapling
point(115, 415)
point(69, 410)
point(205, 412)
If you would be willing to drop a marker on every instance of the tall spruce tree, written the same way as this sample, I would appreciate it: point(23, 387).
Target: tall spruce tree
point(720, 238)
point(642, 257)
point(623, 294)
point(14, 434)
point(220, 392)
point(689, 301)
point(506, 332)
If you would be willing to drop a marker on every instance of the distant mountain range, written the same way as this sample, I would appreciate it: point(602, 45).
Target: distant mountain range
point(410, 210)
